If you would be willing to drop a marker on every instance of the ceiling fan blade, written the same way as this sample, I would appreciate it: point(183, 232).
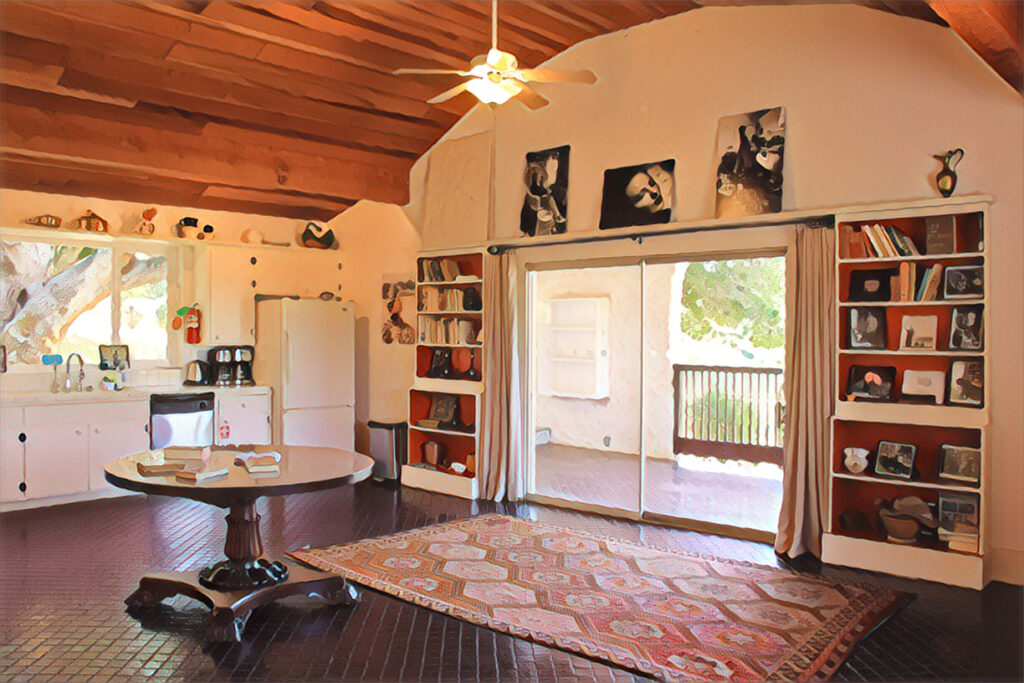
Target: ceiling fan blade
point(450, 93)
point(418, 72)
point(531, 98)
point(557, 76)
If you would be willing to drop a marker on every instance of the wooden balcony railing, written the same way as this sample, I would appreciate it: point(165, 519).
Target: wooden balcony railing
point(730, 413)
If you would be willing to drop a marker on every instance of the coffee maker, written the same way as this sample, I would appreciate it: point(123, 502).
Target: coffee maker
point(231, 365)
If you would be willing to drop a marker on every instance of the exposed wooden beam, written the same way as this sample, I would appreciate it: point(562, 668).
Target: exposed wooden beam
point(42, 135)
point(994, 29)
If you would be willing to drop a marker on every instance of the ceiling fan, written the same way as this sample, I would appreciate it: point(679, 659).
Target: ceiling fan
point(495, 77)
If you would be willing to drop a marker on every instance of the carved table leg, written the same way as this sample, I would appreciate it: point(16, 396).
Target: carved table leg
point(245, 566)
point(226, 624)
point(335, 591)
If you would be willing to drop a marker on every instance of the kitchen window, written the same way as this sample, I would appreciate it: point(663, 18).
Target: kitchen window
point(67, 295)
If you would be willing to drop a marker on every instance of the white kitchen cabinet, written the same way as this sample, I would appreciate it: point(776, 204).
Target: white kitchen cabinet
point(56, 459)
point(114, 439)
point(243, 419)
point(12, 458)
point(224, 289)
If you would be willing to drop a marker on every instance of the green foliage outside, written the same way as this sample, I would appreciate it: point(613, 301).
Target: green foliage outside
point(737, 303)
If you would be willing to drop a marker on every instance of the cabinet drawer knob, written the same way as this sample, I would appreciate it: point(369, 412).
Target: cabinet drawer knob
point(22, 487)
point(22, 438)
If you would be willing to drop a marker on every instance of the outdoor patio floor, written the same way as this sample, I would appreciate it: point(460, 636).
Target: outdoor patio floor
point(611, 479)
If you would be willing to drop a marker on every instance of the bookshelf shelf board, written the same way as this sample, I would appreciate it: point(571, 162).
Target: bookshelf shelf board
point(910, 484)
point(440, 482)
point(449, 432)
point(451, 346)
point(437, 283)
point(911, 413)
point(931, 564)
point(923, 257)
point(908, 352)
point(897, 304)
point(448, 386)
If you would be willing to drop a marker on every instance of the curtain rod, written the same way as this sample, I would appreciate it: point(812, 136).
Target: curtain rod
point(823, 221)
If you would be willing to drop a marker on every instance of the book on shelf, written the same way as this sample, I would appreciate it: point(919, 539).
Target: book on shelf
point(447, 331)
point(940, 235)
point(882, 241)
point(450, 269)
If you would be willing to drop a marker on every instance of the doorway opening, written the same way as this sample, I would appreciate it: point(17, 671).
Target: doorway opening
point(657, 389)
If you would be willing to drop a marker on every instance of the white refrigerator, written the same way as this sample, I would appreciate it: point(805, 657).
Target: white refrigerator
point(305, 350)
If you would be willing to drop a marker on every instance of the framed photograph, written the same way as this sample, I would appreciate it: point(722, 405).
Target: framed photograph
point(961, 463)
point(930, 384)
point(114, 357)
point(964, 282)
point(867, 328)
point(750, 152)
point(397, 294)
point(545, 206)
point(967, 383)
point(871, 383)
point(958, 512)
point(873, 284)
point(895, 459)
point(638, 195)
point(966, 329)
point(918, 332)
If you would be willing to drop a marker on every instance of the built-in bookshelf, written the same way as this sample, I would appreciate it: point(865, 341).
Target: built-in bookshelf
point(444, 402)
point(912, 378)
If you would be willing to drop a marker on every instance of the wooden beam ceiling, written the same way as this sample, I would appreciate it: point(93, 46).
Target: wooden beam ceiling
point(288, 107)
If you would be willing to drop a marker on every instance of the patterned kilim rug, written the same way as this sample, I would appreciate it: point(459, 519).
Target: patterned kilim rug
point(662, 613)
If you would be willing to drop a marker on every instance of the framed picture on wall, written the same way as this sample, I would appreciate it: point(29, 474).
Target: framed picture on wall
point(638, 195)
point(750, 152)
point(545, 209)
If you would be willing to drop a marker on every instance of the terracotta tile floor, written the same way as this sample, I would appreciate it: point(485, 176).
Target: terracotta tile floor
point(64, 572)
point(606, 478)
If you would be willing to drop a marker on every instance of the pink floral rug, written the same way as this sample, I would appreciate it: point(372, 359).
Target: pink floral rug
point(666, 614)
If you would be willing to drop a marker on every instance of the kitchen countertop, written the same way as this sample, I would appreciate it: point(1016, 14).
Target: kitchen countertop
point(35, 398)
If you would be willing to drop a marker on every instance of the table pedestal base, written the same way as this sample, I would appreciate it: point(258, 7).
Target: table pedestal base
point(230, 609)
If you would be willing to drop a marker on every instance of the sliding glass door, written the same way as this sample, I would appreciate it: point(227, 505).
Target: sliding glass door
point(657, 388)
point(587, 325)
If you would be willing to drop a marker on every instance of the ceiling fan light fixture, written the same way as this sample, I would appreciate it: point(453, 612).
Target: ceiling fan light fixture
point(489, 92)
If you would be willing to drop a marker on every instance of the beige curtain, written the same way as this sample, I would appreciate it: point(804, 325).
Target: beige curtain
point(502, 461)
point(810, 392)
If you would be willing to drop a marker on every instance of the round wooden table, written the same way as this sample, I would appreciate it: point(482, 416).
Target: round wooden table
point(247, 578)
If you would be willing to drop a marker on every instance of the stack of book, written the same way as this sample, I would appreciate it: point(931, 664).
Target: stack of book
point(907, 286)
point(961, 538)
point(440, 299)
point(882, 241)
point(439, 270)
point(447, 331)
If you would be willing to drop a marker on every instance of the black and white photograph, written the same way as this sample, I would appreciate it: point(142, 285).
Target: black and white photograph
point(545, 205)
point(871, 383)
point(750, 152)
point(867, 328)
point(895, 459)
point(919, 332)
point(638, 195)
point(967, 383)
point(965, 328)
point(960, 463)
point(964, 282)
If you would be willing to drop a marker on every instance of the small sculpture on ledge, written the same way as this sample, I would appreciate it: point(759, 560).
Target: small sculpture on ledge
point(904, 519)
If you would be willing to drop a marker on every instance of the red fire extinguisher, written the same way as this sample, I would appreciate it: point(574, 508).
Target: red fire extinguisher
point(192, 330)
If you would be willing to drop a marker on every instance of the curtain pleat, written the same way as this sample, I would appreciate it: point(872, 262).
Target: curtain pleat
point(502, 461)
point(810, 394)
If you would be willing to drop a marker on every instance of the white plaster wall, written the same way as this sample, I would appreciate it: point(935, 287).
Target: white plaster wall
point(377, 239)
point(869, 97)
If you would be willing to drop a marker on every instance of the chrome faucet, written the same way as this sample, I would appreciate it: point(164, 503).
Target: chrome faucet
point(67, 373)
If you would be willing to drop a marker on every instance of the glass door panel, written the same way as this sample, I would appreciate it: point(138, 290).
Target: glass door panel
point(586, 388)
point(714, 335)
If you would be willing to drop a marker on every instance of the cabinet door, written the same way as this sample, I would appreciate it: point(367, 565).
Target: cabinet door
point(56, 460)
point(229, 316)
point(243, 420)
point(110, 440)
point(12, 464)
